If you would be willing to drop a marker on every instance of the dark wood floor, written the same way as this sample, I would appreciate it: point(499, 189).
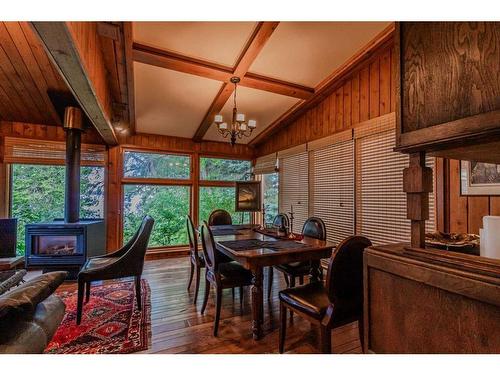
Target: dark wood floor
point(178, 327)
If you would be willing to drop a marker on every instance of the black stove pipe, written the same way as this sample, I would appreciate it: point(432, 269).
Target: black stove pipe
point(73, 128)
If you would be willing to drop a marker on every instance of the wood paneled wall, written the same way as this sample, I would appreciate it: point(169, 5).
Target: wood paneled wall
point(461, 213)
point(365, 92)
point(178, 144)
point(45, 132)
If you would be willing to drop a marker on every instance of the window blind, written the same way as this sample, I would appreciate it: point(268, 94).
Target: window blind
point(265, 164)
point(381, 201)
point(332, 188)
point(293, 188)
point(33, 151)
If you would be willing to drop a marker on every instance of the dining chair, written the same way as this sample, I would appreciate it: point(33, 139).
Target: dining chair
point(125, 262)
point(338, 303)
point(220, 275)
point(281, 221)
point(220, 217)
point(314, 227)
point(196, 257)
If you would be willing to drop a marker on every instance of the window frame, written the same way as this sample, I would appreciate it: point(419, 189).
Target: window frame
point(194, 182)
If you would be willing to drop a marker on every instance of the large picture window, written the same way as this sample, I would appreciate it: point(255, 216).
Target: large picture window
point(168, 205)
point(270, 185)
point(217, 191)
point(155, 184)
point(38, 195)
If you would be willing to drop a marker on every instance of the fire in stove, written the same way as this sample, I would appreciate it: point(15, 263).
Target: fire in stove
point(56, 245)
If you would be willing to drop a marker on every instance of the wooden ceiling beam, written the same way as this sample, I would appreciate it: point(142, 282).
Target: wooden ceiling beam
point(326, 87)
point(170, 60)
point(260, 36)
point(162, 58)
point(129, 67)
point(79, 66)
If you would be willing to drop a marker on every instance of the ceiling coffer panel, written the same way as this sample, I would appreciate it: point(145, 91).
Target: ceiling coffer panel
point(169, 102)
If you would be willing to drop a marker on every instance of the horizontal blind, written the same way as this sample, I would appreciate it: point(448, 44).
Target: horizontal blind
point(293, 188)
point(33, 151)
point(332, 188)
point(381, 201)
point(265, 164)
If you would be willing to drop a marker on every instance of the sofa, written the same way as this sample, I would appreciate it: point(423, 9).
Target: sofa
point(30, 314)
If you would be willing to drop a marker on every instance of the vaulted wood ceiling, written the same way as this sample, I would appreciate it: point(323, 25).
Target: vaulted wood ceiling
point(182, 70)
point(172, 78)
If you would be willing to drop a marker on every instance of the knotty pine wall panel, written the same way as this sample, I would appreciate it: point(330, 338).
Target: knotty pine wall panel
point(465, 212)
point(366, 92)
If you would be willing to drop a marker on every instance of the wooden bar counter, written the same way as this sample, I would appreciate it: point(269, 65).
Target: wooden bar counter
point(430, 301)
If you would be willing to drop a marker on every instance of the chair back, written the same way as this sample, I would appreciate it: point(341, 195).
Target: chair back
point(344, 280)
point(220, 217)
point(212, 255)
point(192, 237)
point(314, 227)
point(281, 220)
point(137, 246)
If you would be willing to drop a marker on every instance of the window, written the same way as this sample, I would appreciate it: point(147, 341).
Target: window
point(214, 197)
point(270, 185)
point(332, 188)
point(217, 191)
point(162, 193)
point(293, 186)
point(38, 195)
point(156, 165)
point(381, 201)
point(212, 169)
point(168, 205)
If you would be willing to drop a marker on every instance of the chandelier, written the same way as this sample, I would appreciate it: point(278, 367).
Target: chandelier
point(238, 127)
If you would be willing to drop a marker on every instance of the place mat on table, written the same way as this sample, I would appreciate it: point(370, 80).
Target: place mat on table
point(253, 244)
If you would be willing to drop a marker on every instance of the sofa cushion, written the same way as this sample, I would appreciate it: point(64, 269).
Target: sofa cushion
point(49, 314)
point(21, 302)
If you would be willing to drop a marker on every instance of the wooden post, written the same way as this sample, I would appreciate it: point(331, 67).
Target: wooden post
point(417, 183)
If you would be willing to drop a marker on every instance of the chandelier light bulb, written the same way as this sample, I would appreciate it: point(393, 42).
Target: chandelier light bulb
point(240, 117)
point(218, 118)
point(243, 127)
point(252, 124)
point(223, 126)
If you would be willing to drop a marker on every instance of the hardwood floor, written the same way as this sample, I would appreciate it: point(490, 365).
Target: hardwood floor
point(178, 327)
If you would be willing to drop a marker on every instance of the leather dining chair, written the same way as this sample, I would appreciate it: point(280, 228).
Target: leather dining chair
point(125, 262)
point(339, 302)
point(220, 217)
point(281, 221)
point(220, 275)
point(196, 257)
point(314, 227)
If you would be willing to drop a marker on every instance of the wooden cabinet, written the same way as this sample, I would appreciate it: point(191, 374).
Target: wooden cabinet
point(448, 86)
point(430, 301)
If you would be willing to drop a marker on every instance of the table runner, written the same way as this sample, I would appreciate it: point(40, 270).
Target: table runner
point(253, 244)
point(226, 232)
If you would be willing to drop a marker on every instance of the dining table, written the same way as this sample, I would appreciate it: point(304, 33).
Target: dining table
point(256, 248)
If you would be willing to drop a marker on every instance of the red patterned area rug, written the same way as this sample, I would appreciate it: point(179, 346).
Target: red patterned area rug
point(111, 323)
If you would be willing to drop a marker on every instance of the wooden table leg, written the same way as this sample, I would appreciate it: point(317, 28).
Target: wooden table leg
point(314, 272)
point(257, 303)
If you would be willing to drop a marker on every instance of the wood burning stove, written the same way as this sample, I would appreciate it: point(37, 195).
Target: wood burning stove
point(61, 245)
point(66, 244)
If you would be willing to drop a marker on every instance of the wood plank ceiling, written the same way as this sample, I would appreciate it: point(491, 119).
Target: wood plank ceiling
point(182, 70)
point(26, 77)
point(32, 89)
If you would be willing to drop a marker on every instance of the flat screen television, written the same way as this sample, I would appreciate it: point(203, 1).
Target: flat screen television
point(8, 238)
